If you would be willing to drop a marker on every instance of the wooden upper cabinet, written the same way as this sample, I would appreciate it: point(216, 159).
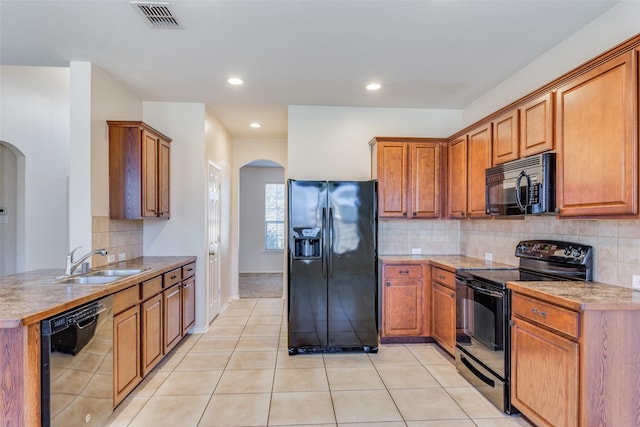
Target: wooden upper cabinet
point(425, 180)
point(139, 158)
point(596, 134)
point(478, 160)
point(409, 175)
point(457, 182)
point(505, 138)
point(536, 125)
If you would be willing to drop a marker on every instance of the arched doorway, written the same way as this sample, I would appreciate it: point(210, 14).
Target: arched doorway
point(261, 230)
point(11, 209)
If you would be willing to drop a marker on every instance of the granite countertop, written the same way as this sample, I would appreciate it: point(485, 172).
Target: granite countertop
point(30, 297)
point(581, 296)
point(448, 262)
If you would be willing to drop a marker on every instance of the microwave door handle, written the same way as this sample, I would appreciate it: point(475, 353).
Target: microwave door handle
point(522, 206)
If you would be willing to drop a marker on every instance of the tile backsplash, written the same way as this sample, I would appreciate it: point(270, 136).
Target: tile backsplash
point(616, 242)
point(117, 237)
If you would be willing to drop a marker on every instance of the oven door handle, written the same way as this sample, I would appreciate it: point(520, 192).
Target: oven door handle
point(488, 292)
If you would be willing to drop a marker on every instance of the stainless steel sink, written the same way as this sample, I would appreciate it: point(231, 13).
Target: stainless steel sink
point(88, 280)
point(121, 272)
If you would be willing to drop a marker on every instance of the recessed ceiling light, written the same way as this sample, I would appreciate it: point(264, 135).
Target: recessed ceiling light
point(235, 81)
point(255, 125)
point(373, 86)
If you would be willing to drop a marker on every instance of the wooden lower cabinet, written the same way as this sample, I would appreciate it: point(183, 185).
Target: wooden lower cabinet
point(544, 375)
point(443, 308)
point(405, 300)
point(188, 304)
point(126, 352)
point(152, 347)
point(172, 319)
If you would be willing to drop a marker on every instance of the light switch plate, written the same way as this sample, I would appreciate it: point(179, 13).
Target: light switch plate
point(111, 258)
point(488, 256)
point(122, 256)
point(416, 251)
point(635, 281)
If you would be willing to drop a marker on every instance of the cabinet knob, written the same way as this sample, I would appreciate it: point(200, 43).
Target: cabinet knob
point(185, 286)
point(415, 213)
point(541, 313)
point(403, 271)
point(404, 214)
point(452, 294)
point(388, 283)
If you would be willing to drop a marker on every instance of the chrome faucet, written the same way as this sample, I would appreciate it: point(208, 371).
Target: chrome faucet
point(72, 265)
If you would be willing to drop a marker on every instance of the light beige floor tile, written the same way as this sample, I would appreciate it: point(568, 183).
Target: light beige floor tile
point(232, 331)
point(474, 403)
point(364, 406)
point(151, 383)
point(231, 321)
point(447, 376)
point(349, 360)
point(442, 423)
point(170, 362)
point(270, 302)
point(267, 311)
point(208, 344)
point(431, 355)
point(289, 380)
point(406, 377)
point(182, 383)
point(393, 356)
point(186, 344)
point(183, 411)
point(301, 408)
point(265, 320)
point(252, 360)
point(245, 381)
point(229, 410)
point(261, 331)
point(126, 411)
point(366, 378)
point(257, 344)
point(236, 311)
point(285, 361)
point(513, 421)
point(384, 424)
point(214, 361)
point(426, 404)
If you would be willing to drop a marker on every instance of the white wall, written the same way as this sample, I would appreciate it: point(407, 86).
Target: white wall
point(618, 24)
point(34, 118)
point(331, 143)
point(253, 256)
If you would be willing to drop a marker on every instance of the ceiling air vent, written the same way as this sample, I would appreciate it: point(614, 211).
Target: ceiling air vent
point(156, 14)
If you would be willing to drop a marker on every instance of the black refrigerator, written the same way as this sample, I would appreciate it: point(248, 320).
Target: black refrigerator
point(332, 266)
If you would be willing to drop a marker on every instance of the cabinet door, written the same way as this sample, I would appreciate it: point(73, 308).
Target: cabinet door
point(149, 175)
point(443, 312)
point(172, 304)
point(544, 375)
point(505, 138)
point(597, 159)
point(479, 159)
point(126, 352)
point(457, 181)
point(164, 156)
point(402, 308)
point(188, 304)
point(392, 179)
point(536, 126)
point(152, 347)
point(425, 180)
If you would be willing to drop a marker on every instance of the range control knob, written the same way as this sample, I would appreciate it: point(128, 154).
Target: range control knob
point(568, 250)
point(522, 248)
point(576, 252)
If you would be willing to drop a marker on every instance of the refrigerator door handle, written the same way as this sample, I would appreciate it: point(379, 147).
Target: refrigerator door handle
point(324, 242)
point(330, 244)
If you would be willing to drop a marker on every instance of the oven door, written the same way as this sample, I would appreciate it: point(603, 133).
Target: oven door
point(482, 325)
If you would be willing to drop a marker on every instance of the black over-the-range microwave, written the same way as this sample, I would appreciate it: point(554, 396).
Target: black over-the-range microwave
point(522, 187)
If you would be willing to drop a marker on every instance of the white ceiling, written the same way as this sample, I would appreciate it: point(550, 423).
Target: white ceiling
point(426, 53)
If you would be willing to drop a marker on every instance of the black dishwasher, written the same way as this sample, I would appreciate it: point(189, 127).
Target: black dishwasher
point(77, 366)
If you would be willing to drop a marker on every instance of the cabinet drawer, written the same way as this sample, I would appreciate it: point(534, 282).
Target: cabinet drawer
point(125, 299)
point(445, 277)
point(543, 313)
point(188, 270)
point(402, 272)
point(151, 287)
point(172, 277)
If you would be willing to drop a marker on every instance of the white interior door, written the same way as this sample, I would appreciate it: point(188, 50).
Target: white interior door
point(213, 270)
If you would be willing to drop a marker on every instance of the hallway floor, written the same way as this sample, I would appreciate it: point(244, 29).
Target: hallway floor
point(240, 374)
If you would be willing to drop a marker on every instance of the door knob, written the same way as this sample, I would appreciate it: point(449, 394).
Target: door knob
point(212, 253)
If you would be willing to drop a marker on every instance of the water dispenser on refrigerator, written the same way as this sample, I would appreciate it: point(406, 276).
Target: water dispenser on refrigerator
point(307, 243)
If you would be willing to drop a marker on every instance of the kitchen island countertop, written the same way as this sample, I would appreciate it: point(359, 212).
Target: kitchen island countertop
point(30, 297)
